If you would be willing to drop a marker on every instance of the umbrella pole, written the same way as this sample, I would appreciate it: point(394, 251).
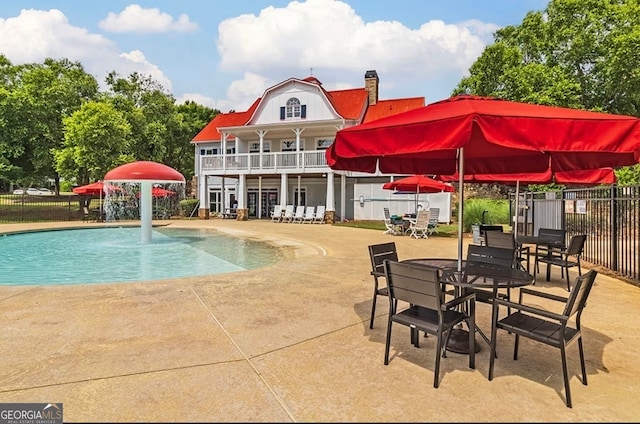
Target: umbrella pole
point(460, 204)
point(515, 217)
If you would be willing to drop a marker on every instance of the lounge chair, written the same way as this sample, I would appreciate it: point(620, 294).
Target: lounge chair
point(287, 216)
point(318, 218)
point(309, 214)
point(299, 215)
point(276, 215)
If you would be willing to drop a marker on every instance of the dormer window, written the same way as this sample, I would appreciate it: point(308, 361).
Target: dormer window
point(293, 110)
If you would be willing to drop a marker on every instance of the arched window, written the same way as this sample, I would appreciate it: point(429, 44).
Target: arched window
point(293, 108)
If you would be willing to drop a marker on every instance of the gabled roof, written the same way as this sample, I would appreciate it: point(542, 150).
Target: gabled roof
point(349, 104)
point(232, 119)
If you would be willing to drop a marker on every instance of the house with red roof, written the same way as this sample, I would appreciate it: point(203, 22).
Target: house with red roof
point(274, 152)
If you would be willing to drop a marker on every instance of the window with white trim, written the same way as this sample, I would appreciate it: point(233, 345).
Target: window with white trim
point(293, 110)
point(323, 143)
point(255, 147)
point(288, 146)
point(208, 152)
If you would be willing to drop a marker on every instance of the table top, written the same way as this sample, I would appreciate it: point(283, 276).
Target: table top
point(549, 241)
point(476, 274)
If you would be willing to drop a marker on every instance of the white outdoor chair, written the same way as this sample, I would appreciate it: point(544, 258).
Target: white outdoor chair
point(287, 216)
point(299, 215)
point(276, 215)
point(318, 217)
point(420, 226)
point(309, 214)
point(392, 227)
point(433, 220)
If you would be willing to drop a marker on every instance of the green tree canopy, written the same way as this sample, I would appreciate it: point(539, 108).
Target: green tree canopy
point(582, 54)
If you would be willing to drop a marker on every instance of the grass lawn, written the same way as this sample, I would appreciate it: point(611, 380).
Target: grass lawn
point(444, 230)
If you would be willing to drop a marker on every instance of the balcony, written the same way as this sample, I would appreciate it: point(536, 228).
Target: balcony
point(264, 163)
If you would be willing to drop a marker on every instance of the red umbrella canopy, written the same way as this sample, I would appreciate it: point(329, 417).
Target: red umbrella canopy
point(576, 177)
point(94, 189)
point(418, 184)
point(497, 137)
point(161, 192)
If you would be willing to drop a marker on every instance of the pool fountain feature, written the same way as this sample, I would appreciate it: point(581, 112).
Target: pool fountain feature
point(146, 173)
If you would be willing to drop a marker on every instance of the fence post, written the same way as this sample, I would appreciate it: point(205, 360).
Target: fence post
point(614, 227)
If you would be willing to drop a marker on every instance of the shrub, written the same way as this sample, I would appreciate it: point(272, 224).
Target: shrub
point(497, 212)
point(187, 206)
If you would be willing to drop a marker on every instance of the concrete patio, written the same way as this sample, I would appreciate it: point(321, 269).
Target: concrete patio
point(291, 343)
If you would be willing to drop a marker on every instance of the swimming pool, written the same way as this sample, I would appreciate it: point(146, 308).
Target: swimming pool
point(102, 255)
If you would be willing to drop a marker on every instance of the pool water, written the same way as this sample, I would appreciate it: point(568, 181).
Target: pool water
point(102, 255)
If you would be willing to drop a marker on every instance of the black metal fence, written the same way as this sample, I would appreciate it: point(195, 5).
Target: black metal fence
point(16, 208)
point(609, 215)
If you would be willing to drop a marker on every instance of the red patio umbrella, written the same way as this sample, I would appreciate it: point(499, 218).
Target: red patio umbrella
point(576, 177)
point(483, 135)
point(95, 189)
point(418, 184)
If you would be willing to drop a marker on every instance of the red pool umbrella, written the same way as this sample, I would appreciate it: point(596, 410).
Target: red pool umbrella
point(95, 189)
point(418, 184)
point(576, 177)
point(488, 136)
point(161, 192)
point(484, 135)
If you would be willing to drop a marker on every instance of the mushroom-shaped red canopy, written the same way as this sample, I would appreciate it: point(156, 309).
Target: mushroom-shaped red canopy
point(144, 171)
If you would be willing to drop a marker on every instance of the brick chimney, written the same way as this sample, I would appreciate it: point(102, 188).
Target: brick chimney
point(371, 85)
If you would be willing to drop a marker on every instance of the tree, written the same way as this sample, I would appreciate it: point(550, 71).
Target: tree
point(96, 139)
point(40, 96)
point(576, 53)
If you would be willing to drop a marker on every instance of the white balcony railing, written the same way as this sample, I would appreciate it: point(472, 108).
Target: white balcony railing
point(311, 161)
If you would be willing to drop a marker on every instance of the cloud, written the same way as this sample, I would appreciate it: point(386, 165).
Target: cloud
point(136, 19)
point(283, 42)
point(35, 35)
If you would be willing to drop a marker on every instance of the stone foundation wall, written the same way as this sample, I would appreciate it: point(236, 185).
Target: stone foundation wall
point(329, 217)
point(203, 213)
point(243, 214)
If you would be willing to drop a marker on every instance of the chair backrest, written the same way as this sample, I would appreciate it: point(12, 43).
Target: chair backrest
point(578, 297)
point(553, 234)
point(288, 211)
point(422, 219)
point(378, 253)
point(487, 228)
point(320, 212)
point(499, 239)
point(299, 211)
point(387, 214)
point(277, 209)
point(309, 212)
point(576, 244)
point(416, 284)
point(434, 215)
point(490, 255)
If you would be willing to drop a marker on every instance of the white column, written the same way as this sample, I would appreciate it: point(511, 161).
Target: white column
point(283, 190)
point(260, 196)
point(146, 213)
point(299, 188)
point(203, 191)
point(343, 196)
point(330, 193)
point(241, 194)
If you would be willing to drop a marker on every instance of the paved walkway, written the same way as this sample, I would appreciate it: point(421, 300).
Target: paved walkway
point(291, 343)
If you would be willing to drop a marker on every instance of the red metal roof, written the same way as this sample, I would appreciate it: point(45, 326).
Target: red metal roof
point(384, 108)
point(349, 104)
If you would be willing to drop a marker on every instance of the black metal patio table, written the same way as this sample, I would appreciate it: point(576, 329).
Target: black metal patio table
point(474, 275)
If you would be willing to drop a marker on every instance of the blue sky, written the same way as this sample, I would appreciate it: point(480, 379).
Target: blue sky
point(224, 54)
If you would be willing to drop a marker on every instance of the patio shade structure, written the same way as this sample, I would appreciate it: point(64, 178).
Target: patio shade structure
point(418, 184)
point(484, 135)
